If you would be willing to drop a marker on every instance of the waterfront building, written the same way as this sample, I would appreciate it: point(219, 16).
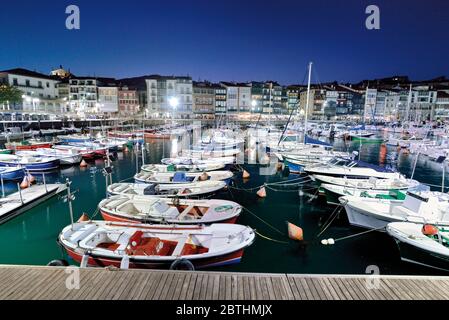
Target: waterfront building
point(375, 104)
point(267, 97)
point(221, 95)
point(423, 103)
point(442, 105)
point(343, 102)
point(293, 95)
point(108, 100)
point(238, 98)
point(204, 100)
point(160, 89)
point(40, 94)
point(61, 73)
point(84, 95)
point(128, 101)
point(316, 104)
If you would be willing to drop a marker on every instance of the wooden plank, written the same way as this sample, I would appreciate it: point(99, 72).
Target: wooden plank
point(216, 287)
point(185, 287)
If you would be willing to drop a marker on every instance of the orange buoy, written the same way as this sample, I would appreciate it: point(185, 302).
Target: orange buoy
point(246, 174)
point(83, 164)
point(429, 230)
point(25, 183)
point(262, 193)
point(295, 232)
point(84, 218)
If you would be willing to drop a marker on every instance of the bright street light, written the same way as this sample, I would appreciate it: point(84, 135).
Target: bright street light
point(174, 102)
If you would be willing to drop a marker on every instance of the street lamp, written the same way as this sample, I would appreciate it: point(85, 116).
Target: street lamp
point(174, 103)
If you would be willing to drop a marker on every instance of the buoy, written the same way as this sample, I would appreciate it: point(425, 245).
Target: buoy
point(182, 264)
point(84, 218)
point(25, 183)
point(429, 230)
point(324, 242)
point(83, 164)
point(331, 241)
point(246, 174)
point(262, 193)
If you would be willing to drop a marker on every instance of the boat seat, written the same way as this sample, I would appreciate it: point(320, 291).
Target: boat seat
point(80, 234)
point(185, 212)
point(181, 243)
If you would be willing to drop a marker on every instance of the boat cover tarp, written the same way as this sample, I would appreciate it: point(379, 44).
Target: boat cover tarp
point(316, 142)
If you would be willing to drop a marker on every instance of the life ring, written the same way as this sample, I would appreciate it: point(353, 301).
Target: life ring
point(58, 263)
point(182, 264)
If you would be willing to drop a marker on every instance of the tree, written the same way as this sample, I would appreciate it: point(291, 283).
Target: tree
point(9, 95)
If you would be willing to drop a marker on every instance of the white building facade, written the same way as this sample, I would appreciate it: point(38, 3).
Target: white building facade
point(160, 91)
point(40, 92)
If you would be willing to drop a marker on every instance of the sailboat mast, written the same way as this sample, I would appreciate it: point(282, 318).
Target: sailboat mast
point(409, 102)
point(307, 103)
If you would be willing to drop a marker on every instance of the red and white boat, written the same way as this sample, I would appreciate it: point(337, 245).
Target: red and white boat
point(28, 145)
point(147, 209)
point(125, 135)
point(155, 134)
point(124, 245)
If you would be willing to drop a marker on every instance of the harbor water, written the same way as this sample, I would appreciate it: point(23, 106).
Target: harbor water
point(30, 239)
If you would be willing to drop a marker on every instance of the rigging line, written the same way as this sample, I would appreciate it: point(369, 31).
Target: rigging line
point(359, 234)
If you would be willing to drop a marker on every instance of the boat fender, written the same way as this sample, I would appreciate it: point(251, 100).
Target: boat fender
point(182, 264)
point(429, 230)
point(324, 242)
point(58, 263)
point(331, 241)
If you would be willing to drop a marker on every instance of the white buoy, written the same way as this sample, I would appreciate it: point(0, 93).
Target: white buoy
point(324, 242)
point(331, 242)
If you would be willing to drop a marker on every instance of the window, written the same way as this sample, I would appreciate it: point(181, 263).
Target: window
point(15, 82)
point(27, 82)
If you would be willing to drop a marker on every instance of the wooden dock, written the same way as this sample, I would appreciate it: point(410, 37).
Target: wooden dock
point(49, 283)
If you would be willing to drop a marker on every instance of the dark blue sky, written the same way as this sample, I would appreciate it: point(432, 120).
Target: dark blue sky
point(229, 39)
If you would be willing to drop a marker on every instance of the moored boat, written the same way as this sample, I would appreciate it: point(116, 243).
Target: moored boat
point(32, 164)
point(183, 177)
point(142, 209)
point(126, 245)
point(12, 173)
point(181, 190)
point(28, 145)
point(421, 244)
point(153, 168)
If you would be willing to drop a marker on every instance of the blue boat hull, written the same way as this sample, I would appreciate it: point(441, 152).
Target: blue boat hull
point(294, 167)
point(34, 167)
point(15, 175)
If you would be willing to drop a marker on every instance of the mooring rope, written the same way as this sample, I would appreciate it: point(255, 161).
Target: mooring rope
point(270, 239)
point(331, 219)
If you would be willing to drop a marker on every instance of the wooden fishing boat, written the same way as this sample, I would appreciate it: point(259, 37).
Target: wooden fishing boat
point(126, 245)
point(183, 177)
point(12, 173)
point(32, 164)
point(28, 145)
point(143, 209)
point(181, 190)
point(197, 161)
point(154, 168)
point(425, 245)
